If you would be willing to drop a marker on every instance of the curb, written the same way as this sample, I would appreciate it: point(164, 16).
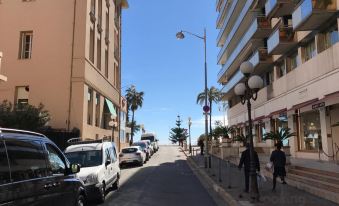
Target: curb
point(209, 183)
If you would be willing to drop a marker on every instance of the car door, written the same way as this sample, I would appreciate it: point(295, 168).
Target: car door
point(115, 163)
point(63, 187)
point(109, 168)
point(6, 196)
point(28, 172)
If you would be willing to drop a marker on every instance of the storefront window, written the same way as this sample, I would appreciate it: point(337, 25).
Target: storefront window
point(260, 131)
point(310, 131)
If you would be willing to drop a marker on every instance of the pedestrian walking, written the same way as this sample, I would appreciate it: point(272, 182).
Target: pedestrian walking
point(201, 145)
point(278, 158)
point(245, 160)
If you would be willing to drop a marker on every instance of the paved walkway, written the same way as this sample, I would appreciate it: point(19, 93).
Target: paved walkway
point(232, 180)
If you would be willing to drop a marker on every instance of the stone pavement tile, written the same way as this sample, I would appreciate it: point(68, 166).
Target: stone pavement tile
point(232, 180)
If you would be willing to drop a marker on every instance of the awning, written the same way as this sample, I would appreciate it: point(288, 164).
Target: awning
point(304, 104)
point(111, 108)
point(278, 112)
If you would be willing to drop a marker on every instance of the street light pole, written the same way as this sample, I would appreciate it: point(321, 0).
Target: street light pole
point(247, 91)
point(189, 134)
point(180, 35)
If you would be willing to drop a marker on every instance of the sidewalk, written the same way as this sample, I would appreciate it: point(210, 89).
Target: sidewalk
point(234, 184)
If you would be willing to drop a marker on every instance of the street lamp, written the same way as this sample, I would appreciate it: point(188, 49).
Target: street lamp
point(189, 133)
point(180, 35)
point(247, 91)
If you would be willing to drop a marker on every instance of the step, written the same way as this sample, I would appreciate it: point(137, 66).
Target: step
point(315, 188)
point(314, 183)
point(321, 172)
point(316, 176)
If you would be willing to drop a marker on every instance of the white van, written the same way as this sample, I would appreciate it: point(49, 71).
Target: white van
point(99, 166)
point(153, 138)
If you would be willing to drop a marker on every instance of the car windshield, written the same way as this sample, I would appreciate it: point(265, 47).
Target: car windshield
point(129, 150)
point(141, 144)
point(90, 158)
point(151, 138)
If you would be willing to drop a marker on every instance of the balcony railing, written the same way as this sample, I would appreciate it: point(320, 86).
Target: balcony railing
point(282, 40)
point(233, 81)
point(241, 45)
point(237, 24)
point(260, 60)
point(221, 13)
point(229, 14)
point(278, 8)
point(311, 14)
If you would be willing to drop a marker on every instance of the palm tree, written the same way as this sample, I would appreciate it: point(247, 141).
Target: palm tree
point(134, 101)
point(280, 135)
point(213, 95)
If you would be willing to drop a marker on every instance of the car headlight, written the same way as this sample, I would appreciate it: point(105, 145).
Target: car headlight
point(91, 179)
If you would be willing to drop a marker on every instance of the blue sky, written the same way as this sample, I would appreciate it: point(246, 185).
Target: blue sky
point(169, 71)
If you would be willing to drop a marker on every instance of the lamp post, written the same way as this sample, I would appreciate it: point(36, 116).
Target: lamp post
point(189, 134)
point(247, 91)
point(180, 35)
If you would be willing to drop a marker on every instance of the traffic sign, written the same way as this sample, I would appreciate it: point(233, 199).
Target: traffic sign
point(206, 108)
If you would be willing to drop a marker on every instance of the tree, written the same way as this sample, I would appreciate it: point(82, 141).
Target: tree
point(178, 134)
point(221, 130)
point(279, 135)
point(213, 96)
point(134, 101)
point(135, 126)
point(27, 117)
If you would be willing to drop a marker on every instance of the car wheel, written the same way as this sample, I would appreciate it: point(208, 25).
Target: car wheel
point(116, 185)
point(80, 200)
point(101, 198)
point(141, 163)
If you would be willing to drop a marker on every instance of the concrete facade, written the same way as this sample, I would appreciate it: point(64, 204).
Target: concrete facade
point(56, 51)
point(294, 48)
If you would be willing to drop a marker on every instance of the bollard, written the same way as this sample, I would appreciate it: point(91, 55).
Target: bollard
point(220, 180)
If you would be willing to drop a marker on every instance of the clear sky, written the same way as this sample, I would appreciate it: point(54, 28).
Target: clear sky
point(169, 71)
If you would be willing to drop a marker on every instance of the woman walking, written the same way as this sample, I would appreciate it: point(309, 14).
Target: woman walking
point(278, 158)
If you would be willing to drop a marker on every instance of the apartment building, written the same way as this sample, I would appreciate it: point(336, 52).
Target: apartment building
point(66, 55)
point(293, 45)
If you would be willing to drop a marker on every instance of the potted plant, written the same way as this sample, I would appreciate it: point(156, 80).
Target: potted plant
point(241, 138)
point(223, 131)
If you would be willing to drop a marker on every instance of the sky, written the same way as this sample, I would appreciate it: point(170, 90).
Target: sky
point(169, 71)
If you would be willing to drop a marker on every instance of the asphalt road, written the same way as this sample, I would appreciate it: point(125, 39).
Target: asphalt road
point(165, 180)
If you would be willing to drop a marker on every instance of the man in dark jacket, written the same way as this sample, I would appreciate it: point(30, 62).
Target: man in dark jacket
point(278, 158)
point(246, 161)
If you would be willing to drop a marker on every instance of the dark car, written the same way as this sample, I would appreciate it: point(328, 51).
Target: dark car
point(33, 171)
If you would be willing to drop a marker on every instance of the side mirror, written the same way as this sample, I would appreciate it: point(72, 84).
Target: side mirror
point(75, 168)
point(107, 162)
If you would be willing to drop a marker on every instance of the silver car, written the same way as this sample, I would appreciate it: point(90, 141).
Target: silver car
point(132, 154)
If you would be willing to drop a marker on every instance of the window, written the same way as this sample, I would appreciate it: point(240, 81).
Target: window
point(56, 165)
point(91, 45)
point(27, 159)
point(309, 50)
point(26, 39)
point(86, 158)
point(108, 155)
point(106, 63)
point(89, 106)
point(21, 96)
point(281, 69)
point(310, 130)
point(4, 168)
point(113, 154)
point(97, 109)
point(292, 61)
point(99, 53)
point(328, 38)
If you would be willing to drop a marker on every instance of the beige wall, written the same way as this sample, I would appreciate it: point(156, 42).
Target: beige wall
point(52, 75)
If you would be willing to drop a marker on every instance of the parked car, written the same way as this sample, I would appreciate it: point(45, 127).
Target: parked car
point(149, 145)
point(153, 138)
point(33, 171)
point(132, 154)
point(99, 166)
point(144, 148)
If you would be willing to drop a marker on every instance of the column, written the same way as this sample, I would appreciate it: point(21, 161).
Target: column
point(293, 141)
point(325, 125)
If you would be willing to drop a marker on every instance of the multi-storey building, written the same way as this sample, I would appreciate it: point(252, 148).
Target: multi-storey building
point(293, 46)
point(66, 55)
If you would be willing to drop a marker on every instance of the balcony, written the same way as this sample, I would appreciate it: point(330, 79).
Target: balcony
point(261, 60)
point(222, 14)
point(311, 14)
point(228, 88)
point(279, 8)
point(282, 40)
